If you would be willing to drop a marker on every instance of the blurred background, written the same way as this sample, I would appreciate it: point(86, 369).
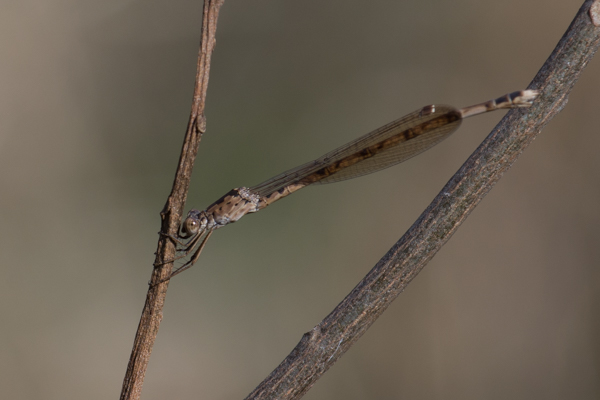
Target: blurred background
point(94, 104)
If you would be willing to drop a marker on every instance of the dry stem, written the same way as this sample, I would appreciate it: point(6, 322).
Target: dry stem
point(172, 212)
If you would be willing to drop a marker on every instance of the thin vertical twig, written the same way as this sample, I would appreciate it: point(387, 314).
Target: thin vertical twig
point(320, 348)
point(172, 212)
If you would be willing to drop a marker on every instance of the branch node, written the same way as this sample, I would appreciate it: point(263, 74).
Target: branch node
point(595, 13)
point(201, 123)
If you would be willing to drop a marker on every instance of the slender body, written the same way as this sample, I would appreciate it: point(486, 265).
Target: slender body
point(386, 146)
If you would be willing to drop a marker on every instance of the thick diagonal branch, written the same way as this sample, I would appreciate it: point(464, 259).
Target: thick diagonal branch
point(323, 345)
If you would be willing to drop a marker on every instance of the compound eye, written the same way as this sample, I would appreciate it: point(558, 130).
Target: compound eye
point(191, 226)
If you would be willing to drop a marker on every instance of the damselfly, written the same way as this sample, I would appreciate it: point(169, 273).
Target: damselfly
point(386, 146)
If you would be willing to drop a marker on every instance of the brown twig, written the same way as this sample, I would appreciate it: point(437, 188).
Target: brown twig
point(320, 348)
point(172, 212)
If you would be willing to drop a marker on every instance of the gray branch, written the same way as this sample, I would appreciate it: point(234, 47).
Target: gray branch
point(320, 348)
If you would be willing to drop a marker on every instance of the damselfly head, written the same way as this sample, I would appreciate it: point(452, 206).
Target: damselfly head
point(193, 224)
